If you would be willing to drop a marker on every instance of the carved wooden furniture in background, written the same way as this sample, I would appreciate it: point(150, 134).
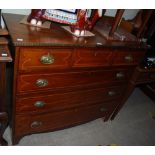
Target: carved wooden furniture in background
point(138, 26)
point(149, 88)
point(143, 28)
point(4, 58)
point(61, 80)
point(116, 22)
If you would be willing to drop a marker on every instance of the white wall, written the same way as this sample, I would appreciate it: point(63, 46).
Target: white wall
point(128, 14)
point(17, 11)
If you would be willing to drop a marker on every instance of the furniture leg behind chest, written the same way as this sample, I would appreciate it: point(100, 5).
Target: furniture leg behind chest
point(4, 58)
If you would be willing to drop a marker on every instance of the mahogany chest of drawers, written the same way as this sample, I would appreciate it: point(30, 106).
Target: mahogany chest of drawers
point(61, 81)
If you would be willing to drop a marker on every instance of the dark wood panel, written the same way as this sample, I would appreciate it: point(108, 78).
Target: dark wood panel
point(2, 86)
point(3, 109)
point(4, 57)
point(149, 90)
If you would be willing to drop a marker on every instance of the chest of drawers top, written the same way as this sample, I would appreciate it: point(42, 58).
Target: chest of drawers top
point(25, 35)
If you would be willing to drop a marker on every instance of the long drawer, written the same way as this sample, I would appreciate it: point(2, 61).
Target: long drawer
point(59, 101)
point(51, 121)
point(33, 82)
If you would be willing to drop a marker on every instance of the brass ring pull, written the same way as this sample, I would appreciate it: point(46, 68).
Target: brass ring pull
point(47, 59)
point(36, 124)
point(39, 104)
point(111, 93)
point(120, 75)
point(41, 82)
point(128, 58)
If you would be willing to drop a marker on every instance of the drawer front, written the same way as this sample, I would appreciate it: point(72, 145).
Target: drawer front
point(69, 80)
point(58, 120)
point(127, 57)
point(92, 57)
point(44, 58)
point(54, 102)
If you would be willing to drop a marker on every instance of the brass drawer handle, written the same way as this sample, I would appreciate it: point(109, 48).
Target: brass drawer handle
point(103, 109)
point(111, 93)
point(120, 75)
point(47, 59)
point(36, 124)
point(39, 104)
point(128, 58)
point(41, 82)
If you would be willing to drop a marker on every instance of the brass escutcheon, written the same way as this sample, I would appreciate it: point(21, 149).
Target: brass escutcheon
point(120, 75)
point(47, 59)
point(39, 104)
point(128, 58)
point(111, 93)
point(36, 124)
point(42, 82)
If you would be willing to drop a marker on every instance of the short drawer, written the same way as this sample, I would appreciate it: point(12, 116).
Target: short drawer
point(86, 57)
point(127, 57)
point(60, 101)
point(33, 82)
point(44, 58)
point(58, 120)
